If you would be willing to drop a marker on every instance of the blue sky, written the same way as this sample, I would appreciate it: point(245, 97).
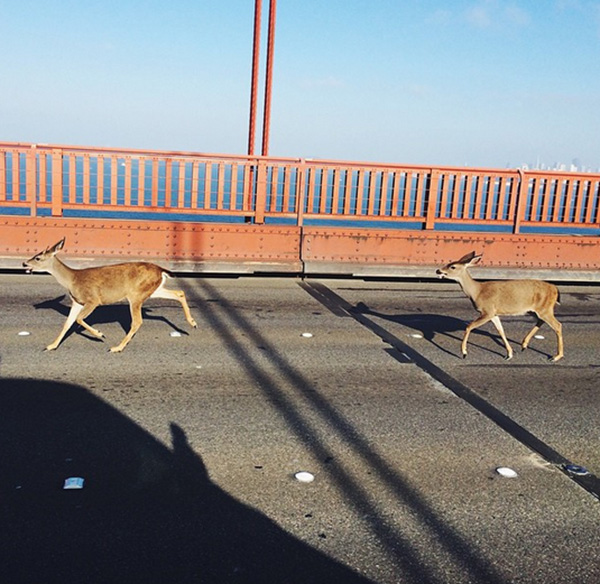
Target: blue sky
point(477, 83)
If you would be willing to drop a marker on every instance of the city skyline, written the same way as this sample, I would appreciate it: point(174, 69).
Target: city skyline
point(574, 166)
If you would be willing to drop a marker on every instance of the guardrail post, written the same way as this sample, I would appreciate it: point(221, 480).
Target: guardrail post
point(2, 175)
point(521, 200)
point(57, 183)
point(31, 182)
point(300, 193)
point(261, 192)
point(432, 199)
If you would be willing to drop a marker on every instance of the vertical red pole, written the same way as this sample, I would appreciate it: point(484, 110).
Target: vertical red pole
point(269, 78)
point(255, 67)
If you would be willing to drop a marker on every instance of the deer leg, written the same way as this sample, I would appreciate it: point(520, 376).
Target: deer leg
point(557, 328)
point(76, 308)
point(87, 310)
point(136, 322)
point(473, 325)
point(178, 295)
point(500, 329)
point(532, 332)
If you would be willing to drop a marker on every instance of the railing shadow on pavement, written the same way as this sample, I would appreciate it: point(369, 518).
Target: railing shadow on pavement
point(146, 513)
point(227, 320)
point(431, 325)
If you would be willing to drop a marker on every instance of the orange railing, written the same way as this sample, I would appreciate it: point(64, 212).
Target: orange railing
point(66, 181)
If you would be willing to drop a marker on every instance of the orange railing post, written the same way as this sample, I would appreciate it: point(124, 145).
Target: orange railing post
point(2, 175)
point(57, 183)
point(521, 201)
point(300, 194)
point(261, 192)
point(432, 199)
point(31, 185)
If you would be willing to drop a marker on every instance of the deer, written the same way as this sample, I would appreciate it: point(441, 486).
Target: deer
point(493, 299)
point(108, 284)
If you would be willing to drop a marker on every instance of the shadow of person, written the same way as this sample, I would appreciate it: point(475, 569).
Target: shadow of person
point(146, 513)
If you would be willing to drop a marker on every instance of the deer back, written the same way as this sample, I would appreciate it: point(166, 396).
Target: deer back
point(515, 297)
point(112, 283)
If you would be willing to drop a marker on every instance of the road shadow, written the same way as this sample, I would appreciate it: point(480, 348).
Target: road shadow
point(146, 513)
point(229, 322)
point(118, 313)
point(434, 325)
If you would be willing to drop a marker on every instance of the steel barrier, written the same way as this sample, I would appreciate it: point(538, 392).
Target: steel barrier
point(350, 203)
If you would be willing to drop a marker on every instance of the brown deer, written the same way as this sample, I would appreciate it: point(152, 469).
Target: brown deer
point(505, 298)
point(93, 287)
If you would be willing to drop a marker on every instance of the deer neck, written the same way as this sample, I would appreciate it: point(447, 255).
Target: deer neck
point(469, 286)
point(64, 275)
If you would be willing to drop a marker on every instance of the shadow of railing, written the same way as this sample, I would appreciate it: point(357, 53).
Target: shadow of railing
point(146, 513)
point(224, 319)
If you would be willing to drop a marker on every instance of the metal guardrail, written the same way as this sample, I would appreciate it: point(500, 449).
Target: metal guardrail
point(40, 180)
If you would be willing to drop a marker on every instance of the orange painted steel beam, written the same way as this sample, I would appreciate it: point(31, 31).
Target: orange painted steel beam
point(332, 249)
point(186, 246)
point(242, 248)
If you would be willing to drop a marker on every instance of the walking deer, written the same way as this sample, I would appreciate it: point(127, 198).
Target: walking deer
point(93, 287)
point(505, 298)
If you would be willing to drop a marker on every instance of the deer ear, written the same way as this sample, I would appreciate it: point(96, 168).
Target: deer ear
point(466, 259)
point(476, 258)
point(57, 246)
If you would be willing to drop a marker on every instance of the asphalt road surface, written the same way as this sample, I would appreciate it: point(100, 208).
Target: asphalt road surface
point(189, 441)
